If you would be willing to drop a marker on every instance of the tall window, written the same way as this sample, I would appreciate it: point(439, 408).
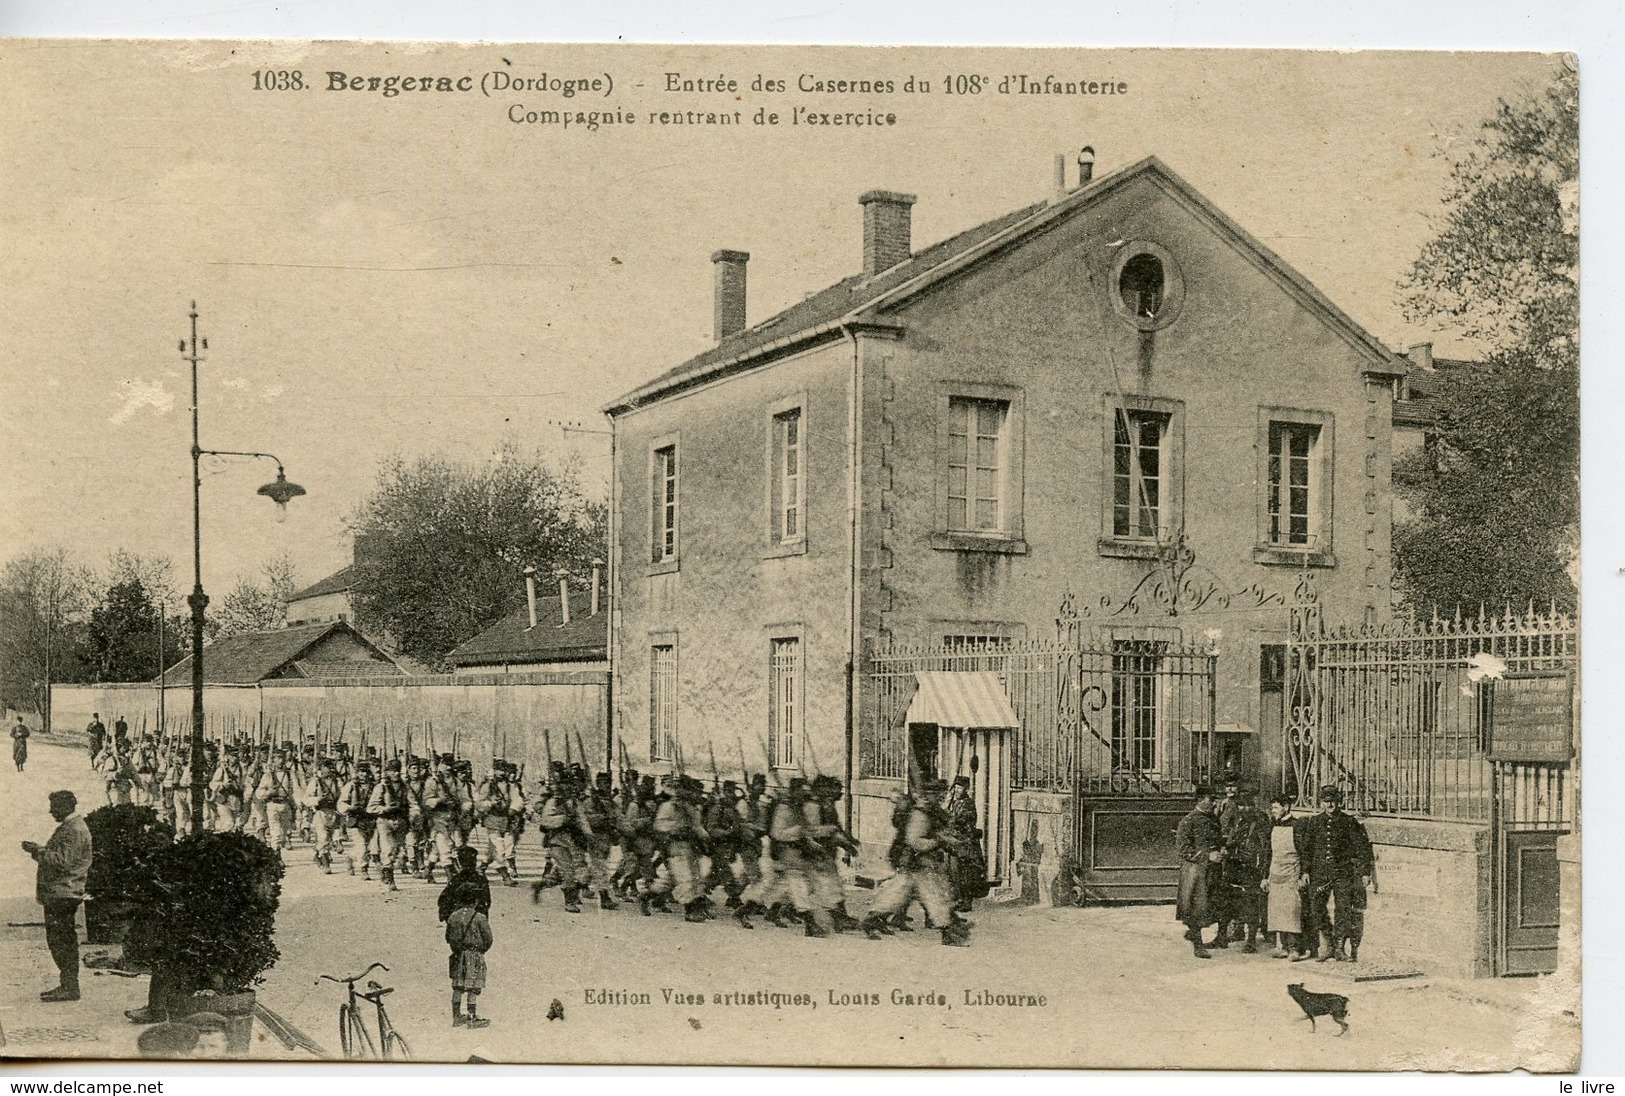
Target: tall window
point(1139, 474)
point(664, 505)
point(662, 702)
point(977, 460)
point(784, 687)
point(1136, 678)
point(789, 499)
point(1294, 484)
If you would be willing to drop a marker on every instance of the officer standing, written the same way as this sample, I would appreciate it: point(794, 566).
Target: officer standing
point(1338, 864)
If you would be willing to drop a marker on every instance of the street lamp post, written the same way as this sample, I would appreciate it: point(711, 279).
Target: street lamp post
point(279, 491)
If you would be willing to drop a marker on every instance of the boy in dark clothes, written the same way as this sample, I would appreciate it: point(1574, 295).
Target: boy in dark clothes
point(464, 905)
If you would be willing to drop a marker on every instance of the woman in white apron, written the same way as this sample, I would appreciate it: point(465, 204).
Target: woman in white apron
point(1284, 911)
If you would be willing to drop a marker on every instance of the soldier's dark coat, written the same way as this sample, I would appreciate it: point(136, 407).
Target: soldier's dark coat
point(1198, 834)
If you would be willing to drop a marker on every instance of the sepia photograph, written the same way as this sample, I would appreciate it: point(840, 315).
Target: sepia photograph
point(790, 555)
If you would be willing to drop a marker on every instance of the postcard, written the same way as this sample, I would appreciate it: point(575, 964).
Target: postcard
point(771, 555)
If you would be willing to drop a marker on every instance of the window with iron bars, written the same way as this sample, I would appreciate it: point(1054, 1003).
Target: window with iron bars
point(784, 690)
point(662, 702)
point(1136, 715)
point(975, 645)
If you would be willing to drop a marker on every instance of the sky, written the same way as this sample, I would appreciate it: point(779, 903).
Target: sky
point(416, 274)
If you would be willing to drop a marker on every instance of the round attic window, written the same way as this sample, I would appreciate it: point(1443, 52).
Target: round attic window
point(1146, 287)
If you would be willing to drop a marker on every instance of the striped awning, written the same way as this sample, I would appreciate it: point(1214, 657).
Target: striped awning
point(961, 699)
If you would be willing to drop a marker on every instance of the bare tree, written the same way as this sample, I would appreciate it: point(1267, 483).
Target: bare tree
point(44, 596)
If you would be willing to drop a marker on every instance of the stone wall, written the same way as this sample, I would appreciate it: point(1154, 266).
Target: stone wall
point(1433, 903)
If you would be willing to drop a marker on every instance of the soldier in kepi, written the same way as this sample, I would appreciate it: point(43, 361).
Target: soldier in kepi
point(417, 816)
point(566, 833)
point(353, 803)
point(388, 808)
point(603, 821)
point(441, 803)
point(275, 793)
point(322, 797)
point(830, 840)
point(678, 824)
point(788, 842)
point(1337, 865)
point(754, 815)
point(494, 804)
point(919, 852)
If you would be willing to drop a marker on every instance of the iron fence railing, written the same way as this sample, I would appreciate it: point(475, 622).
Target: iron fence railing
point(1117, 712)
point(1400, 714)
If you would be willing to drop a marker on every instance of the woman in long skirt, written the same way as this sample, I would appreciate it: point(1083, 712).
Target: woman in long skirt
point(19, 744)
point(1284, 910)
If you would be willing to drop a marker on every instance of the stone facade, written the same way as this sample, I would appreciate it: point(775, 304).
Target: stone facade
point(1036, 317)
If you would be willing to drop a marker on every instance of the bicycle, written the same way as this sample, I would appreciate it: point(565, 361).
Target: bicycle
point(354, 1037)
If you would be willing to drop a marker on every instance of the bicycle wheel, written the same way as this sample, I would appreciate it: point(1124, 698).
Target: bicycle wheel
point(395, 1048)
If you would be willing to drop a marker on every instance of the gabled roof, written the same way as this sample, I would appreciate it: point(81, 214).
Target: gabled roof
point(511, 639)
point(253, 657)
point(859, 299)
point(336, 583)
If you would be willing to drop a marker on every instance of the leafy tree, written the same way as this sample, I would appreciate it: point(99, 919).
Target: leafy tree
point(124, 634)
point(253, 604)
point(42, 606)
point(1497, 492)
point(447, 542)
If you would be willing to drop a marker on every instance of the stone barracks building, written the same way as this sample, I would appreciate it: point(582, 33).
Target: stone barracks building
point(830, 528)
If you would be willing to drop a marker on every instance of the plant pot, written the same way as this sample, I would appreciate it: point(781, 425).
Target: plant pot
point(237, 1008)
point(107, 921)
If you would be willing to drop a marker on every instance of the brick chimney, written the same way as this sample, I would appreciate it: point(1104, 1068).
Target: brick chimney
point(886, 226)
point(729, 314)
point(530, 593)
point(1421, 355)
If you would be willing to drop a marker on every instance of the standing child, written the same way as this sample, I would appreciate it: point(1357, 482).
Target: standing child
point(463, 906)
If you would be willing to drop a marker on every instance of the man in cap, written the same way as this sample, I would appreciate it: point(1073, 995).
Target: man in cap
point(494, 803)
point(417, 815)
point(754, 812)
point(96, 735)
point(59, 886)
point(791, 842)
point(566, 831)
point(603, 822)
point(1199, 845)
point(829, 839)
point(354, 802)
point(274, 794)
point(443, 807)
point(919, 857)
point(388, 808)
point(1337, 862)
point(321, 796)
point(678, 824)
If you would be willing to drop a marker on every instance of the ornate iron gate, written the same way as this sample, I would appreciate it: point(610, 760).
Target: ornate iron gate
point(1140, 703)
point(1118, 717)
point(1466, 719)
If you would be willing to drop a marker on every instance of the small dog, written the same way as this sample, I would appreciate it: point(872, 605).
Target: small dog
point(1334, 1005)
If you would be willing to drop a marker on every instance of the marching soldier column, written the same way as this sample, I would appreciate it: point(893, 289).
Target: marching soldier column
point(627, 839)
